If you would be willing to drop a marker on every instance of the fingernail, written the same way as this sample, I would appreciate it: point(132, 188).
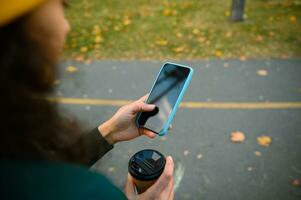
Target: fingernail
point(152, 105)
point(169, 158)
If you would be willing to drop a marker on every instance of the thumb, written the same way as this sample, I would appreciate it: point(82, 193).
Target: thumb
point(129, 189)
point(141, 106)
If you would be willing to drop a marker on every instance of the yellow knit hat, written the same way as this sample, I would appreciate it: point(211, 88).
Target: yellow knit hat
point(11, 9)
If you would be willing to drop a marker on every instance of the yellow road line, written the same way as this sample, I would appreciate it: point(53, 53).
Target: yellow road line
point(196, 105)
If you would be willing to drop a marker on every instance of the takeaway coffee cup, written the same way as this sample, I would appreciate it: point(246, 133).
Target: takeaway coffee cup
point(145, 167)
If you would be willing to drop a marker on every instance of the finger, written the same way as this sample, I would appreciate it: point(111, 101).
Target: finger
point(149, 134)
point(129, 188)
point(172, 194)
point(165, 194)
point(144, 98)
point(166, 177)
point(141, 106)
point(170, 127)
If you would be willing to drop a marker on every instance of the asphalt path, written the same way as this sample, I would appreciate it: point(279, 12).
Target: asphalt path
point(208, 164)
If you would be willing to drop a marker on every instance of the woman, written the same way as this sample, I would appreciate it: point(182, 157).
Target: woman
point(40, 150)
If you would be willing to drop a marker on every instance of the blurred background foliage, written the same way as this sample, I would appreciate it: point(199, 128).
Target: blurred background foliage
point(182, 29)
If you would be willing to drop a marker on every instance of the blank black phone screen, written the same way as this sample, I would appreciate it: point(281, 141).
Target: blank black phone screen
point(164, 95)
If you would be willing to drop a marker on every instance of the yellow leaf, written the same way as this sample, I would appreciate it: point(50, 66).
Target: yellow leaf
point(229, 34)
point(264, 140)
point(83, 49)
point(166, 12)
point(218, 53)
point(237, 137)
point(71, 69)
point(262, 72)
point(179, 49)
point(293, 18)
point(98, 39)
point(161, 42)
point(127, 22)
point(179, 35)
point(195, 31)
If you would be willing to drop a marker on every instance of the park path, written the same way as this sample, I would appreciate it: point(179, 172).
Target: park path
point(255, 97)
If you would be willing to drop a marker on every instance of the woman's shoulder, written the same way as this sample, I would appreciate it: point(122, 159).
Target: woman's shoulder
point(50, 180)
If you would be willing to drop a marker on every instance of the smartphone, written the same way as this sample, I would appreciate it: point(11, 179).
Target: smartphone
point(166, 93)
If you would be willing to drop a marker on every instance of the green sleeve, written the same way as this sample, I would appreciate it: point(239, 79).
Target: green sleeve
point(97, 145)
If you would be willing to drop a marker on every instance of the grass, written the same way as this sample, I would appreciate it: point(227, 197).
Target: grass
point(190, 29)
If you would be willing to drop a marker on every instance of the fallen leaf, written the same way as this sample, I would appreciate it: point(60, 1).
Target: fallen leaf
point(264, 140)
point(262, 72)
point(179, 49)
point(201, 39)
point(79, 58)
point(257, 153)
point(161, 42)
point(296, 183)
point(293, 18)
point(98, 39)
point(242, 58)
point(179, 35)
point(195, 31)
point(237, 137)
point(127, 22)
point(226, 65)
point(218, 53)
point(83, 49)
point(229, 34)
point(199, 156)
point(259, 38)
point(71, 69)
point(250, 169)
point(186, 152)
point(166, 12)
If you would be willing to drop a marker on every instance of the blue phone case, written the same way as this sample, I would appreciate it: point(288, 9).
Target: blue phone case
point(174, 110)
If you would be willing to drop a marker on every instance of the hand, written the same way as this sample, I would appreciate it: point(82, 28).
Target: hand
point(161, 190)
point(122, 126)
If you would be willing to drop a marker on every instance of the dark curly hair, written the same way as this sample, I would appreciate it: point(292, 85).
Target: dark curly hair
point(31, 127)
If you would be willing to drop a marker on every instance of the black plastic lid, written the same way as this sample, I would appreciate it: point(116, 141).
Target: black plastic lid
point(147, 164)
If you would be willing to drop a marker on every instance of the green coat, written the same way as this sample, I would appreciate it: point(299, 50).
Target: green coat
point(38, 180)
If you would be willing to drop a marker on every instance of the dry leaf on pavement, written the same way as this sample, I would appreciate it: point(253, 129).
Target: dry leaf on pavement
point(71, 69)
point(264, 140)
point(237, 137)
point(262, 72)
